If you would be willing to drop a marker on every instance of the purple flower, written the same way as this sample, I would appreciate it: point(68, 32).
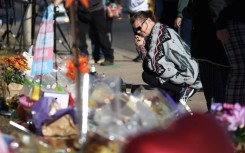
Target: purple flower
point(216, 107)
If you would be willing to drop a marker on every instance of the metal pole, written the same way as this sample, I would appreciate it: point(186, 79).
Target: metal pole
point(7, 21)
point(73, 19)
point(28, 26)
point(33, 21)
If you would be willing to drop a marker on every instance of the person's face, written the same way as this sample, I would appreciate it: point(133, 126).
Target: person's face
point(142, 27)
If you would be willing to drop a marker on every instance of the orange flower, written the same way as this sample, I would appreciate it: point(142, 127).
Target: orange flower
point(14, 64)
point(21, 62)
point(17, 66)
point(17, 61)
point(11, 58)
point(71, 75)
point(83, 66)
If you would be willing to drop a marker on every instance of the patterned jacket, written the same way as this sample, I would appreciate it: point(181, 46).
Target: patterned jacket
point(168, 57)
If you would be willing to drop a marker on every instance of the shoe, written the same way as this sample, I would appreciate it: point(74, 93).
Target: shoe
point(100, 61)
point(106, 63)
point(137, 59)
point(186, 94)
point(91, 61)
point(134, 88)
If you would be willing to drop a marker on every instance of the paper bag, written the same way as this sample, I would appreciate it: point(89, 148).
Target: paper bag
point(12, 89)
point(62, 126)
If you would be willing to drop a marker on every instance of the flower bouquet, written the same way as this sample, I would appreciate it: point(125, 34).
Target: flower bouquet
point(233, 117)
point(13, 69)
point(12, 75)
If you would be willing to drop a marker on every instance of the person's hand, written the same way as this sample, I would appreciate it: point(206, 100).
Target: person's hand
point(223, 35)
point(138, 40)
point(177, 22)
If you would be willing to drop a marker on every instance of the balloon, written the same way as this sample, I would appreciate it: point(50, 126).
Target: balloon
point(189, 134)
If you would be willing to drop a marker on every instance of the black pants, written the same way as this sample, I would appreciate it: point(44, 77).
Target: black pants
point(96, 49)
point(153, 81)
point(150, 78)
point(214, 79)
point(97, 21)
point(172, 89)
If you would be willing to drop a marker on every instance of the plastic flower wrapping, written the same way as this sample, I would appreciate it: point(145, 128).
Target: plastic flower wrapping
point(115, 116)
point(233, 118)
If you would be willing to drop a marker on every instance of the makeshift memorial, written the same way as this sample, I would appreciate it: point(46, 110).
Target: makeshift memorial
point(232, 116)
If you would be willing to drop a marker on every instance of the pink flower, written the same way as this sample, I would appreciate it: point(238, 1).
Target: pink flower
point(233, 115)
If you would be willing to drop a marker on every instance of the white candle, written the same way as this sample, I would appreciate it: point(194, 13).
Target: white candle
point(85, 94)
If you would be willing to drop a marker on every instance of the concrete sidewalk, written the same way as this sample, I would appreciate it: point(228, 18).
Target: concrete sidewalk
point(131, 72)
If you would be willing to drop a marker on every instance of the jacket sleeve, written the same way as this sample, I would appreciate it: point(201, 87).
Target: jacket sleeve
point(181, 5)
point(142, 51)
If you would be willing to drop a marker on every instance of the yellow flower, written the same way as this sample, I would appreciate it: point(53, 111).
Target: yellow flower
point(9, 68)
